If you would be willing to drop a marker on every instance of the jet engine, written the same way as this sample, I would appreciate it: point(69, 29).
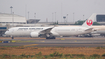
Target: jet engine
point(34, 34)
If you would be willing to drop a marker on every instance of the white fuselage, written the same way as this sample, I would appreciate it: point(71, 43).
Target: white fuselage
point(56, 31)
point(69, 31)
point(23, 31)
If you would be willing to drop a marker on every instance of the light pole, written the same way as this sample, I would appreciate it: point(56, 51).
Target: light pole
point(35, 15)
point(52, 17)
point(83, 17)
point(64, 17)
point(28, 15)
point(55, 17)
point(73, 17)
point(67, 18)
point(11, 9)
point(13, 19)
point(12, 15)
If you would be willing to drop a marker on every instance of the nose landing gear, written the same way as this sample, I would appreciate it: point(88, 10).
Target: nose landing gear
point(12, 37)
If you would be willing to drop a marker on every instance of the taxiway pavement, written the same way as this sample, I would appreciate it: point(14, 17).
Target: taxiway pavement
point(59, 42)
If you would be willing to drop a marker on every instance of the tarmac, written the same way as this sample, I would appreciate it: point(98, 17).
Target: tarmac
point(58, 42)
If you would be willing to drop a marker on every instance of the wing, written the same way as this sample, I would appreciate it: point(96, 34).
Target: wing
point(46, 30)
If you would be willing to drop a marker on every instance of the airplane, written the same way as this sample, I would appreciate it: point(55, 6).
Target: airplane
point(52, 32)
point(99, 30)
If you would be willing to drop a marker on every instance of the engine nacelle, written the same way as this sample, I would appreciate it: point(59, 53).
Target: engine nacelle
point(34, 34)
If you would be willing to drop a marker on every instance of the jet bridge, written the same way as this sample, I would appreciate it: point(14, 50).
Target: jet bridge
point(2, 30)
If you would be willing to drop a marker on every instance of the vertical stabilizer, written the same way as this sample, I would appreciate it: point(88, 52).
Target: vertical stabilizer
point(89, 22)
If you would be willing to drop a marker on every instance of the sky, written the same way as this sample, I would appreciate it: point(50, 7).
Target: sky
point(53, 10)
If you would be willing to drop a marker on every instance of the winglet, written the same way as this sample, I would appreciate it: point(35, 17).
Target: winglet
point(89, 22)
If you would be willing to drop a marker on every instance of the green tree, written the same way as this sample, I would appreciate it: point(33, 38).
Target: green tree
point(95, 23)
point(81, 22)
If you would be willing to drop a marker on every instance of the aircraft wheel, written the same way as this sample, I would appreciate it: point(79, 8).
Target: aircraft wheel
point(47, 38)
point(53, 37)
point(12, 37)
point(50, 37)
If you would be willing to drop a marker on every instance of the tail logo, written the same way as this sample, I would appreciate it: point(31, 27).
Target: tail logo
point(89, 22)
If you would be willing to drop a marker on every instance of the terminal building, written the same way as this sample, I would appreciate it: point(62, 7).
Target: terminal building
point(100, 18)
point(12, 18)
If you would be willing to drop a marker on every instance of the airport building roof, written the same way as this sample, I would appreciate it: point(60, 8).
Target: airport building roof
point(33, 21)
point(9, 18)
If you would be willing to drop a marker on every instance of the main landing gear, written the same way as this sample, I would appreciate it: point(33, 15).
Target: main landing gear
point(50, 37)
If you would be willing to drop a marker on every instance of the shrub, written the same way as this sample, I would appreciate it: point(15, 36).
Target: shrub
point(67, 55)
point(60, 55)
point(95, 55)
point(2, 48)
point(39, 54)
point(74, 54)
point(23, 55)
point(98, 47)
point(5, 55)
point(52, 55)
point(46, 56)
point(27, 56)
point(79, 55)
point(103, 55)
point(13, 55)
point(56, 54)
